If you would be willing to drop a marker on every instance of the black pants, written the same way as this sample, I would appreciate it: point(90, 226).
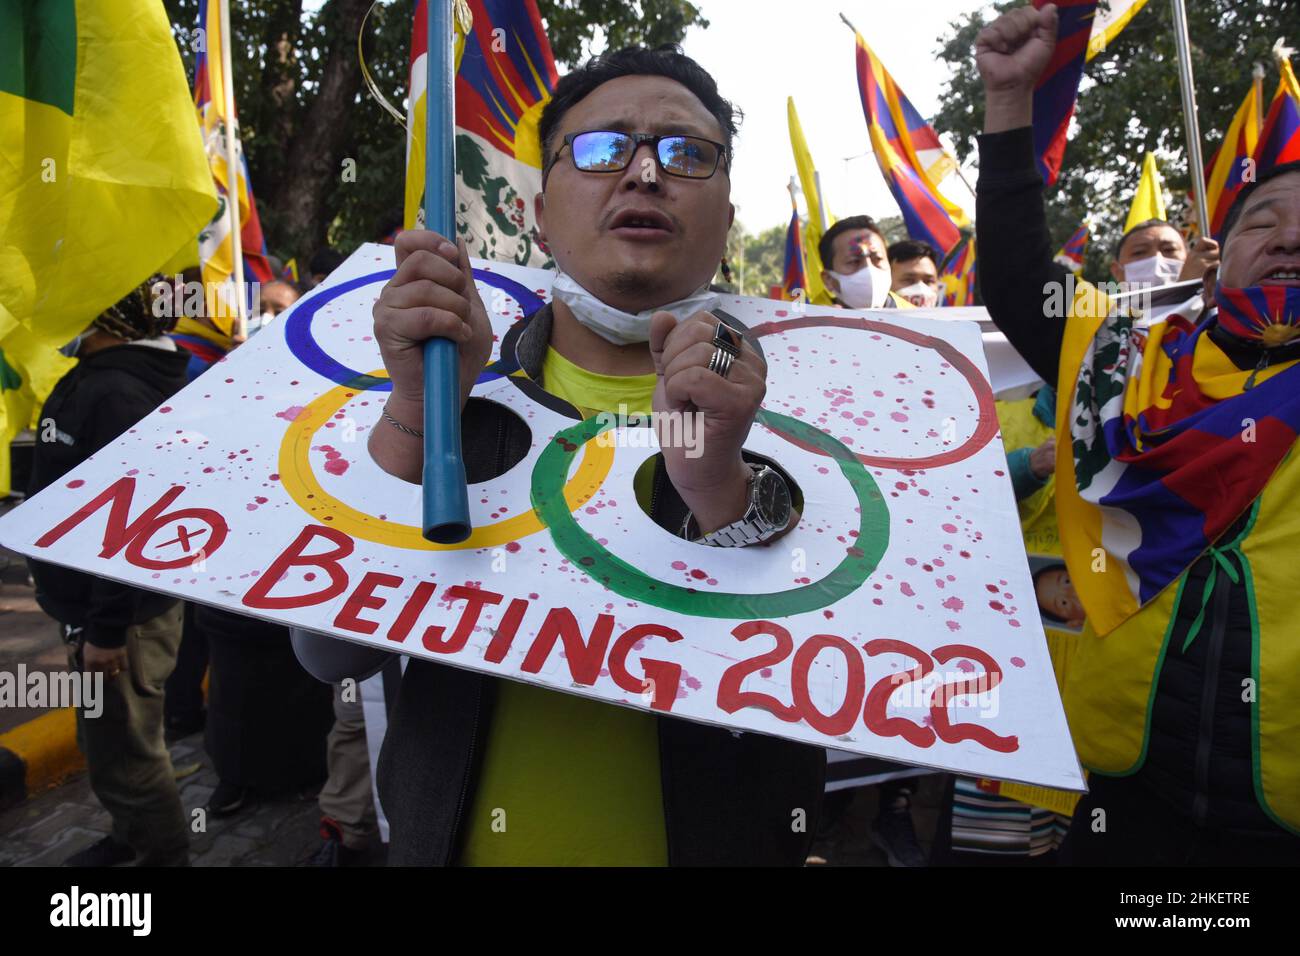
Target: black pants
point(184, 702)
point(267, 717)
point(1143, 830)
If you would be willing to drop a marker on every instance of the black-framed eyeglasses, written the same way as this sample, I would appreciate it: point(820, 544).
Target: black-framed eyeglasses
point(611, 151)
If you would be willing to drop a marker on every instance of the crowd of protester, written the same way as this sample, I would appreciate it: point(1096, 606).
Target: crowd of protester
point(1199, 782)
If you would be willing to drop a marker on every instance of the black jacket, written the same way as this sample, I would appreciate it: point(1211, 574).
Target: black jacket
point(729, 799)
point(1199, 758)
point(100, 398)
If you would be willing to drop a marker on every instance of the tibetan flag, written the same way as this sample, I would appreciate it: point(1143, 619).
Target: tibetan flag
point(1279, 139)
point(1149, 203)
point(1223, 174)
point(898, 134)
point(957, 276)
point(216, 245)
point(102, 174)
point(817, 213)
point(505, 72)
point(1071, 254)
point(1111, 19)
point(794, 276)
point(1058, 87)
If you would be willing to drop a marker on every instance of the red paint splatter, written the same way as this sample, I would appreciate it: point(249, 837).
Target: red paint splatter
point(1017, 662)
point(954, 604)
point(75, 483)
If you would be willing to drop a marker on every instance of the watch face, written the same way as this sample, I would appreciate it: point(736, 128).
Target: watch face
point(772, 497)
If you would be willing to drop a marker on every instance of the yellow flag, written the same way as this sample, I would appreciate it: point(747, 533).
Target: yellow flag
point(817, 292)
point(102, 172)
point(29, 369)
point(1149, 203)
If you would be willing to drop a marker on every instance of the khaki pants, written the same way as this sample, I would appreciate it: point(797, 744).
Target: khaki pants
point(346, 797)
point(130, 769)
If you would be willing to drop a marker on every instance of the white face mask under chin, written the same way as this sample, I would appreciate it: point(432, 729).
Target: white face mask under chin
point(1153, 270)
point(868, 288)
point(615, 325)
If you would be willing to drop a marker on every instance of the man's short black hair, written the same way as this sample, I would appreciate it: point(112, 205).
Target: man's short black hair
point(826, 248)
point(905, 250)
point(666, 61)
point(1238, 204)
point(1119, 246)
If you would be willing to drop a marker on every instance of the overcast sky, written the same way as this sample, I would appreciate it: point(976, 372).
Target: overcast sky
point(761, 51)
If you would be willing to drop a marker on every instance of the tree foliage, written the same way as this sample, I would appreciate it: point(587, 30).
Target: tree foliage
point(304, 112)
point(1130, 103)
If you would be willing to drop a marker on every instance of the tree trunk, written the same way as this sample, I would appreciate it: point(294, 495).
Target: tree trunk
point(279, 91)
point(316, 155)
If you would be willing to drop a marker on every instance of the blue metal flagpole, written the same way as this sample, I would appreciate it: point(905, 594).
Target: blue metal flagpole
point(446, 498)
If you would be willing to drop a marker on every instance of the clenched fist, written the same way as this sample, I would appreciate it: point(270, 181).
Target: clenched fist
point(432, 295)
point(714, 485)
point(1012, 53)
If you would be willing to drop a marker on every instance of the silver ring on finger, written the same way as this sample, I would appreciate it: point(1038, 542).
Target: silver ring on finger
point(720, 362)
point(724, 337)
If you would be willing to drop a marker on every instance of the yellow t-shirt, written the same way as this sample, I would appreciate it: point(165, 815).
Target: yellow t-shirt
point(568, 781)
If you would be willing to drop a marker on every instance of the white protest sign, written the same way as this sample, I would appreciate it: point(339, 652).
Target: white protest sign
point(896, 620)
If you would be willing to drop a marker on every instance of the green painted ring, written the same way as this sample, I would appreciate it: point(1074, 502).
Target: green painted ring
point(601, 565)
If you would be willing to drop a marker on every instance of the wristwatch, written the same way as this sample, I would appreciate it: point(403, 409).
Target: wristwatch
point(767, 514)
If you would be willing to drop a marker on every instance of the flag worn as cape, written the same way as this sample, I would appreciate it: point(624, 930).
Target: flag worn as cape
point(102, 172)
point(898, 133)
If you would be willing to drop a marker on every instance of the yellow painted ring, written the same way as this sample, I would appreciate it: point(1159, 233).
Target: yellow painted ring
point(300, 482)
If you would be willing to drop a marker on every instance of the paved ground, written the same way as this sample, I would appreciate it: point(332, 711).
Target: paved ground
point(51, 826)
point(26, 634)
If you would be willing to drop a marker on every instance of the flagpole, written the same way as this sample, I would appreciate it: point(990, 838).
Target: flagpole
point(445, 495)
point(1192, 126)
point(232, 176)
point(1257, 80)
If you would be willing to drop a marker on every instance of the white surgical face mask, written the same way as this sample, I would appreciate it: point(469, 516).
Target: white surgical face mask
point(1153, 270)
point(865, 289)
point(921, 295)
point(615, 325)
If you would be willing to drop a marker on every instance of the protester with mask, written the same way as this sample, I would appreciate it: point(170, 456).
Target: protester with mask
point(1153, 253)
point(914, 272)
point(635, 208)
point(273, 298)
point(1176, 485)
point(856, 262)
point(127, 367)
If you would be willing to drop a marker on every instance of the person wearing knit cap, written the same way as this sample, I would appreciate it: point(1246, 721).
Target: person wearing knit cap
point(127, 367)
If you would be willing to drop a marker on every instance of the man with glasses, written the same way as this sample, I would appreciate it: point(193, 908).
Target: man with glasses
point(635, 209)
